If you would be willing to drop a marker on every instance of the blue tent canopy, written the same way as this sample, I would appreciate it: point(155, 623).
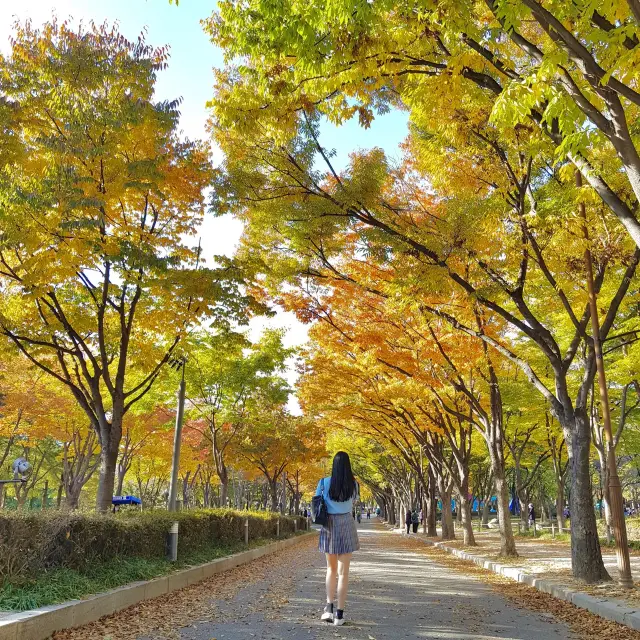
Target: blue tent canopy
point(479, 504)
point(119, 500)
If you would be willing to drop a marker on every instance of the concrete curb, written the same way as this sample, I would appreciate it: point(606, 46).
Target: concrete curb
point(39, 624)
point(608, 608)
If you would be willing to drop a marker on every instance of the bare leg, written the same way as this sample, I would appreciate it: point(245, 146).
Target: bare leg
point(344, 560)
point(332, 576)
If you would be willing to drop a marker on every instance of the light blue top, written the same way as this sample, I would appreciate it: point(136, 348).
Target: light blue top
point(332, 506)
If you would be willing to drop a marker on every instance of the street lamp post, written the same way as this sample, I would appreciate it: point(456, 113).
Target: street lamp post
point(615, 489)
point(172, 536)
point(177, 439)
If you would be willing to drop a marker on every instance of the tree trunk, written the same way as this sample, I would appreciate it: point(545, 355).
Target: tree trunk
point(283, 504)
point(507, 541)
point(273, 487)
point(186, 498)
point(224, 492)
point(431, 515)
point(432, 506)
point(122, 472)
point(296, 504)
point(586, 556)
point(604, 475)
point(467, 523)
point(72, 498)
point(59, 496)
point(486, 512)
point(448, 531)
point(109, 436)
point(521, 494)
point(560, 505)
point(524, 513)
point(424, 515)
point(107, 477)
point(21, 497)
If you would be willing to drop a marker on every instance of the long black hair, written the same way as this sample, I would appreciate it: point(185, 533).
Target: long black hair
point(343, 484)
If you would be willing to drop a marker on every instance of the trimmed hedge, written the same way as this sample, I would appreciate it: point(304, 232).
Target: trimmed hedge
point(33, 542)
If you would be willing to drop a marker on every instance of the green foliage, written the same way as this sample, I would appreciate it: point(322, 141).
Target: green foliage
point(61, 585)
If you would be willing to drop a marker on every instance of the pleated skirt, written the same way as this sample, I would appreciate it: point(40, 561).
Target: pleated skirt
point(340, 535)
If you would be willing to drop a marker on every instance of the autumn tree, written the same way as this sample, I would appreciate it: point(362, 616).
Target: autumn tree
point(274, 441)
point(20, 394)
point(229, 378)
point(139, 429)
point(435, 245)
point(562, 76)
point(99, 284)
point(78, 450)
point(567, 71)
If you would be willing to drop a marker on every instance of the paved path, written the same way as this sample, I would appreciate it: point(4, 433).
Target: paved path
point(551, 560)
point(396, 592)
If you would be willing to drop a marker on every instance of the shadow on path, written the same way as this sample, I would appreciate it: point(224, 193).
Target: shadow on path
point(395, 592)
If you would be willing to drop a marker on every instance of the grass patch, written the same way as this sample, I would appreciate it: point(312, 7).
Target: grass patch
point(62, 584)
point(544, 536)
point(59, 585)
point(634, 545)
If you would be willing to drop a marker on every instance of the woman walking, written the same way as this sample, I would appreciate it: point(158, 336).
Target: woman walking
point(339, 538)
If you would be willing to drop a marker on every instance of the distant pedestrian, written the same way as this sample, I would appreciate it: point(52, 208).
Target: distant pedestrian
point(415, 520)
point(532, 515)
point(378, 512)
point(421, 517)
point(368, 514)
point(566, 513)
point(339, 537)
point(359, 516)
point(407, 521)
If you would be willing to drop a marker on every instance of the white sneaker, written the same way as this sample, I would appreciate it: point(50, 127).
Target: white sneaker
point(327, 616)
point(338, 622)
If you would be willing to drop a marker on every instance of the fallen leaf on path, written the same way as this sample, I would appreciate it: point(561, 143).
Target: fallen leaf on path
point(163, 617)
point(584, 624)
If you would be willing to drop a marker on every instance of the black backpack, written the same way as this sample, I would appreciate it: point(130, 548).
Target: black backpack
point(319, 508)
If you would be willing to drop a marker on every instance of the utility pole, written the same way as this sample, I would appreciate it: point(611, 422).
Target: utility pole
point(178, 363)
point(615, 489)
point(177, 440)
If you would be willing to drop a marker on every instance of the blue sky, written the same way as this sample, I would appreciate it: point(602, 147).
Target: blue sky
point(190, 76)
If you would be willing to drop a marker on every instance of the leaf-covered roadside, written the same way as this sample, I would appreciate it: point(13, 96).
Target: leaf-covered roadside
point(584, 624)
point(162, 618)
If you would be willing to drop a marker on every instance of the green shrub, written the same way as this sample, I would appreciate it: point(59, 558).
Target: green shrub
point(33, 542)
